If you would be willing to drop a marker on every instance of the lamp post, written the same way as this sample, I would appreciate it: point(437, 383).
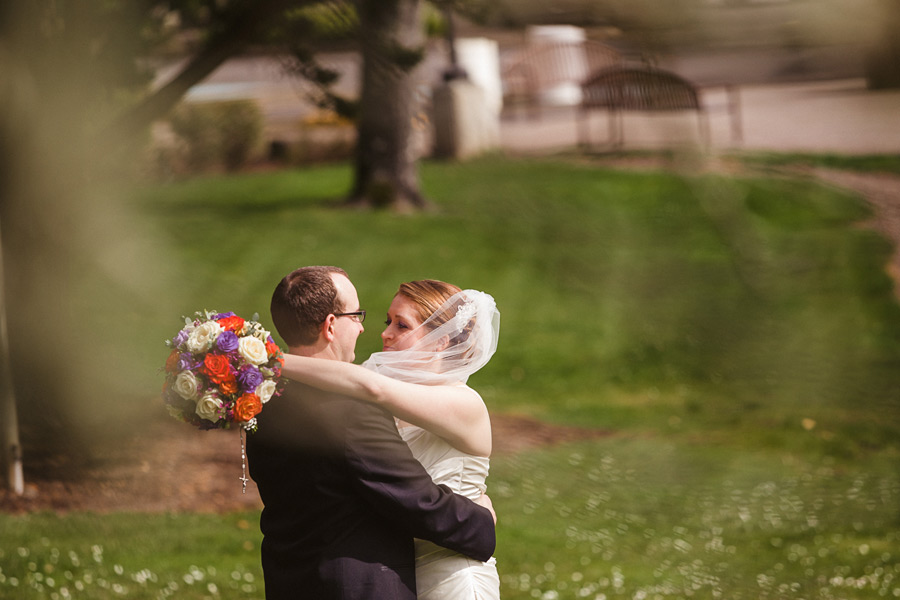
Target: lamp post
point(454, 71)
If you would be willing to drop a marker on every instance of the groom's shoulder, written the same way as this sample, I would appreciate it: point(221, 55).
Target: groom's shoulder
point(302, 418)
point(317, 404)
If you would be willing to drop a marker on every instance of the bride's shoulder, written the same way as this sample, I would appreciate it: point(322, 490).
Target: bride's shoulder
point(468, 389)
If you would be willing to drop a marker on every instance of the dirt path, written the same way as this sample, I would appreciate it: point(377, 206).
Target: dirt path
point(169, 466)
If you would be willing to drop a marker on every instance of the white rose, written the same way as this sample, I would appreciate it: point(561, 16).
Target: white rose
point(186, 385)
point(265, 390)
point(203, 337)
point(209, 407)
point(253, 350)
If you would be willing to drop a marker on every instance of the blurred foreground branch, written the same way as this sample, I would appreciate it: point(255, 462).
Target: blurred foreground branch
point(245, 24)
point(12, 451)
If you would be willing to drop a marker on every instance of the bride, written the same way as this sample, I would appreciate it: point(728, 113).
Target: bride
point(436, 335)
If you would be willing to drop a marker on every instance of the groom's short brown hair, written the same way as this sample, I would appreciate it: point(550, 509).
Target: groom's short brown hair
point(302, 301)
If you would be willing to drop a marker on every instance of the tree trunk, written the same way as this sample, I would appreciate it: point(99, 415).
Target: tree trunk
point(883, 61)
point(392, 44)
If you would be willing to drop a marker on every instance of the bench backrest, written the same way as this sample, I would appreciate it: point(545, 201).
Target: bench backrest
point(638, 88)
point(544, 65)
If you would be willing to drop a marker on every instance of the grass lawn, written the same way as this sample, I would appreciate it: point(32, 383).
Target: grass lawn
point(739, 336)
point(873, 163)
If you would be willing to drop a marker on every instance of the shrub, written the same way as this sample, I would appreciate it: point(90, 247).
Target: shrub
point(217, 134)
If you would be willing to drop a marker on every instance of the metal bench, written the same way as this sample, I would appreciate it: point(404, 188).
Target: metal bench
point(543, 66)
point(645, 89)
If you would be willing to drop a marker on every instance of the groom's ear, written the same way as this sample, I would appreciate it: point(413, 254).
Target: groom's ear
point(326, 330)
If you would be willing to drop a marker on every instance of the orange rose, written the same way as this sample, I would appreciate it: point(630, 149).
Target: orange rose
point(229, 386)
point(233, 323)
point(273, 349)
point(172, 361)
point(217, 368)
point(247, 407)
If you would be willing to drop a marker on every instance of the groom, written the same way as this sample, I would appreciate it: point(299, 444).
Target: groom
point(343, 495)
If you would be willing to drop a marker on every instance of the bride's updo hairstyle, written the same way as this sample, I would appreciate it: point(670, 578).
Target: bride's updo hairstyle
point(428, 295)
point(461, 330)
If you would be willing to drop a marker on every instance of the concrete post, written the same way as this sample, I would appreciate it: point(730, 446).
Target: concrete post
point(464, 125)
point(467, 110)
point(569, 62)
point(480, 57)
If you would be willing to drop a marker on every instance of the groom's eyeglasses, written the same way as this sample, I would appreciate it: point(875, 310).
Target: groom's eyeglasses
point(357, 315)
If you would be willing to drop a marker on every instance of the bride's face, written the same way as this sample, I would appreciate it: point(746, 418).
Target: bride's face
point(402, 325)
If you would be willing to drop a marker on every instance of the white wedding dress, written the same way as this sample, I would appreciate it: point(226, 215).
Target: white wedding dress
point(443, 574)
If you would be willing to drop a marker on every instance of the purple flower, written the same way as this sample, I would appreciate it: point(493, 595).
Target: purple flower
point(249, 378)
point(179, 339)
point(227, 341)
point(185, 361)
point(223, 315)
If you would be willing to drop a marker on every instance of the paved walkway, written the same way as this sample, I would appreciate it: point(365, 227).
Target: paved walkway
point(839, 116)
point(882, 191)
point(829, 115)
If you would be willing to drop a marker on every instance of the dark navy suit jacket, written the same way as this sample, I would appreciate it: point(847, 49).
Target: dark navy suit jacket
point(343, 499)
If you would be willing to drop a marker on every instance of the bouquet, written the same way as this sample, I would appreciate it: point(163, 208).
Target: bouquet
point(221, 371)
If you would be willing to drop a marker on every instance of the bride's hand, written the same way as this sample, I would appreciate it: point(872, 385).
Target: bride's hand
point(485, 501)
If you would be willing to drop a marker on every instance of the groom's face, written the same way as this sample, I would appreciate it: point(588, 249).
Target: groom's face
point(347, 330)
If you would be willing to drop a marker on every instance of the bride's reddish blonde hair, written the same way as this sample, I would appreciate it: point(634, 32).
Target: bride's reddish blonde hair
point(428, 295)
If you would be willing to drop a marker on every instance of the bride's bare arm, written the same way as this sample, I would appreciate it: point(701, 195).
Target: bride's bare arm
point(455, 413)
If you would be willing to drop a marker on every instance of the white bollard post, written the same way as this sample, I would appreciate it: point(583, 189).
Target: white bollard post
point(480, 57)
point(464, 126)
point(467, 111)
point(569, 62)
